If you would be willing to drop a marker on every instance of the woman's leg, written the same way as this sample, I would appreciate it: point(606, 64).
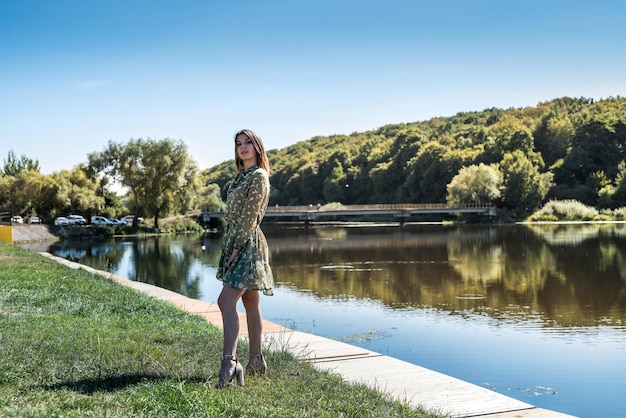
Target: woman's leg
point(251, 301)
point(256, 362)
point(227, 301)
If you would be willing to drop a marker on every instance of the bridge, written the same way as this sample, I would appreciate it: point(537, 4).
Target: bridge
point(401, 211)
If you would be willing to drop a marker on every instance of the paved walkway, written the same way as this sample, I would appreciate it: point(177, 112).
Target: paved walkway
point(418, 386)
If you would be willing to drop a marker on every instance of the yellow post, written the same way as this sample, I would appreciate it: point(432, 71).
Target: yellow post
point(6, 233)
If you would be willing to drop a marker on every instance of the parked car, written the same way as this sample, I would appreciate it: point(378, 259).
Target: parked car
point(117, 222)
point(61, 220)
point(34, 220)
point(17, 220)
point(100, 220)
point(128, 219)
point(76, 220)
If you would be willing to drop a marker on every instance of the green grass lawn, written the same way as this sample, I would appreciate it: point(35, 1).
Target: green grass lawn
point(74, 344)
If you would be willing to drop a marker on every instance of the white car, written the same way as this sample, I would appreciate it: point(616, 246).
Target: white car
point(61, 220)
point(76, 220)
point(17, 220)
point(100, 220)
point(34, 220)
point(117, 221)
point(128, 219)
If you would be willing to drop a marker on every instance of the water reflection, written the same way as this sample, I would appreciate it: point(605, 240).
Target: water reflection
point(507, 272)
point(513, 308)
point(562, 275)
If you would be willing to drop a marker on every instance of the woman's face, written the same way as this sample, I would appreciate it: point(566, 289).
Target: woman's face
point(245, 150)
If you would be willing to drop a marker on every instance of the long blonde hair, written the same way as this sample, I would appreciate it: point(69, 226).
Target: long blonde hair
point(261, 157)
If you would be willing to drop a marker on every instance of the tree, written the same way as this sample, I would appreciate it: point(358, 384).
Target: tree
point(522, 185)
point(508, 135)
point(81, 192)
point(32, 193)
point(474, 184)
point(553, 138)
point(13, 166)
point(335, 185)
point(187, 197)
point(5, 192)
point(210, 198)
point(427, 176)
point(595, 147)
point(154, 171)
point(385, 182)
point(432, 169)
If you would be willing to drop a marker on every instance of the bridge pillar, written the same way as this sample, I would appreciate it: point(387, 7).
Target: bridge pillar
point(402, 217)
point(307, 219)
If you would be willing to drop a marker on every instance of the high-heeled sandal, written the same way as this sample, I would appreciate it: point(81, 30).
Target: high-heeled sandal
point(228, 372)
point(256, 364)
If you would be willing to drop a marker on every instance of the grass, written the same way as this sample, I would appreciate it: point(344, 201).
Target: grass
point(73, 344)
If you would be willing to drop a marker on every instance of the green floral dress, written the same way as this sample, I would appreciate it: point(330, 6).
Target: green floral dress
point(246, 202)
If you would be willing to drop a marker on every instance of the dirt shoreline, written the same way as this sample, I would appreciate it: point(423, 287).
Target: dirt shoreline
point(26, 233)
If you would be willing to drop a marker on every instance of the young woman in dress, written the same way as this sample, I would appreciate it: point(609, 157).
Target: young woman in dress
point(244, 265)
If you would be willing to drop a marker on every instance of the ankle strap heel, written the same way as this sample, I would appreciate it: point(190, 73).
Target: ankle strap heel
point(228, 372)
point(256, 364)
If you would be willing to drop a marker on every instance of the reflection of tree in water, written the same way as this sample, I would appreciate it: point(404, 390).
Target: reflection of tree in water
point(166, 263)
point(508, 268)
point(595, 282)
point(613, 257)
point(509, 273)
point(573, 234)
point(477, 263)
point(162, 261)
point(512, 273)
point(103, 255)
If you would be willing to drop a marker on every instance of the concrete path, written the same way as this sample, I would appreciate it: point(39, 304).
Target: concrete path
point(418, 386)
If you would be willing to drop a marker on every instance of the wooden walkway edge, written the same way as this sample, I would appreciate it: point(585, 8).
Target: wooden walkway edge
point(420, 387)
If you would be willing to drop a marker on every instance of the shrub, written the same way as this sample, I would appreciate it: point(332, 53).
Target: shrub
point(565, 210)
point(181, 226)
point(331, 206)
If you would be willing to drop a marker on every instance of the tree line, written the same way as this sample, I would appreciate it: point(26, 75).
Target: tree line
point(158, 176)
point(518, 159)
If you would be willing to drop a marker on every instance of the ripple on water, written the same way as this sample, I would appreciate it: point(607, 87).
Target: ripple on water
point(470, 296)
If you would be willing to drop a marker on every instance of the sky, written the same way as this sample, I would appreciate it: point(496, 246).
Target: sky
point(77, 74)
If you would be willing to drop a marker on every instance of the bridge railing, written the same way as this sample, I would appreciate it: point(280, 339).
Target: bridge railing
point(393, 206)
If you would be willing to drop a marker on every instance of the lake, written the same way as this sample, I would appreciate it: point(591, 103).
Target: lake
point(536, 312)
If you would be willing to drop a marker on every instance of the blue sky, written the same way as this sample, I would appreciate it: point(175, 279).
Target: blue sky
point(76, 74)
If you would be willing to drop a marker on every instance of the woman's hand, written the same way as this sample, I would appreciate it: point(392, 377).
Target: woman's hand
point(231, 258)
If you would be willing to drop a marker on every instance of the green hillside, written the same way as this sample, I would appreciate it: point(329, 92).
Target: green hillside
point(566, 148)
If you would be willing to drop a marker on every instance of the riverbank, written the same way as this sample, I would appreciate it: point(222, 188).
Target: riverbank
point(420, 388)
point(417, 386)
point(76, 344)
point(25, 233)
point(30, 233)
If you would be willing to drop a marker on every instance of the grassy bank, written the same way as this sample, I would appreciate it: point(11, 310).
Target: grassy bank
point(76, 344)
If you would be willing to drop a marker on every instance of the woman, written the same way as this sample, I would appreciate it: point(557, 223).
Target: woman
point(244, 265)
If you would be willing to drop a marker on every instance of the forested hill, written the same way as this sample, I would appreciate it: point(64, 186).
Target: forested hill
point(565, 148)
